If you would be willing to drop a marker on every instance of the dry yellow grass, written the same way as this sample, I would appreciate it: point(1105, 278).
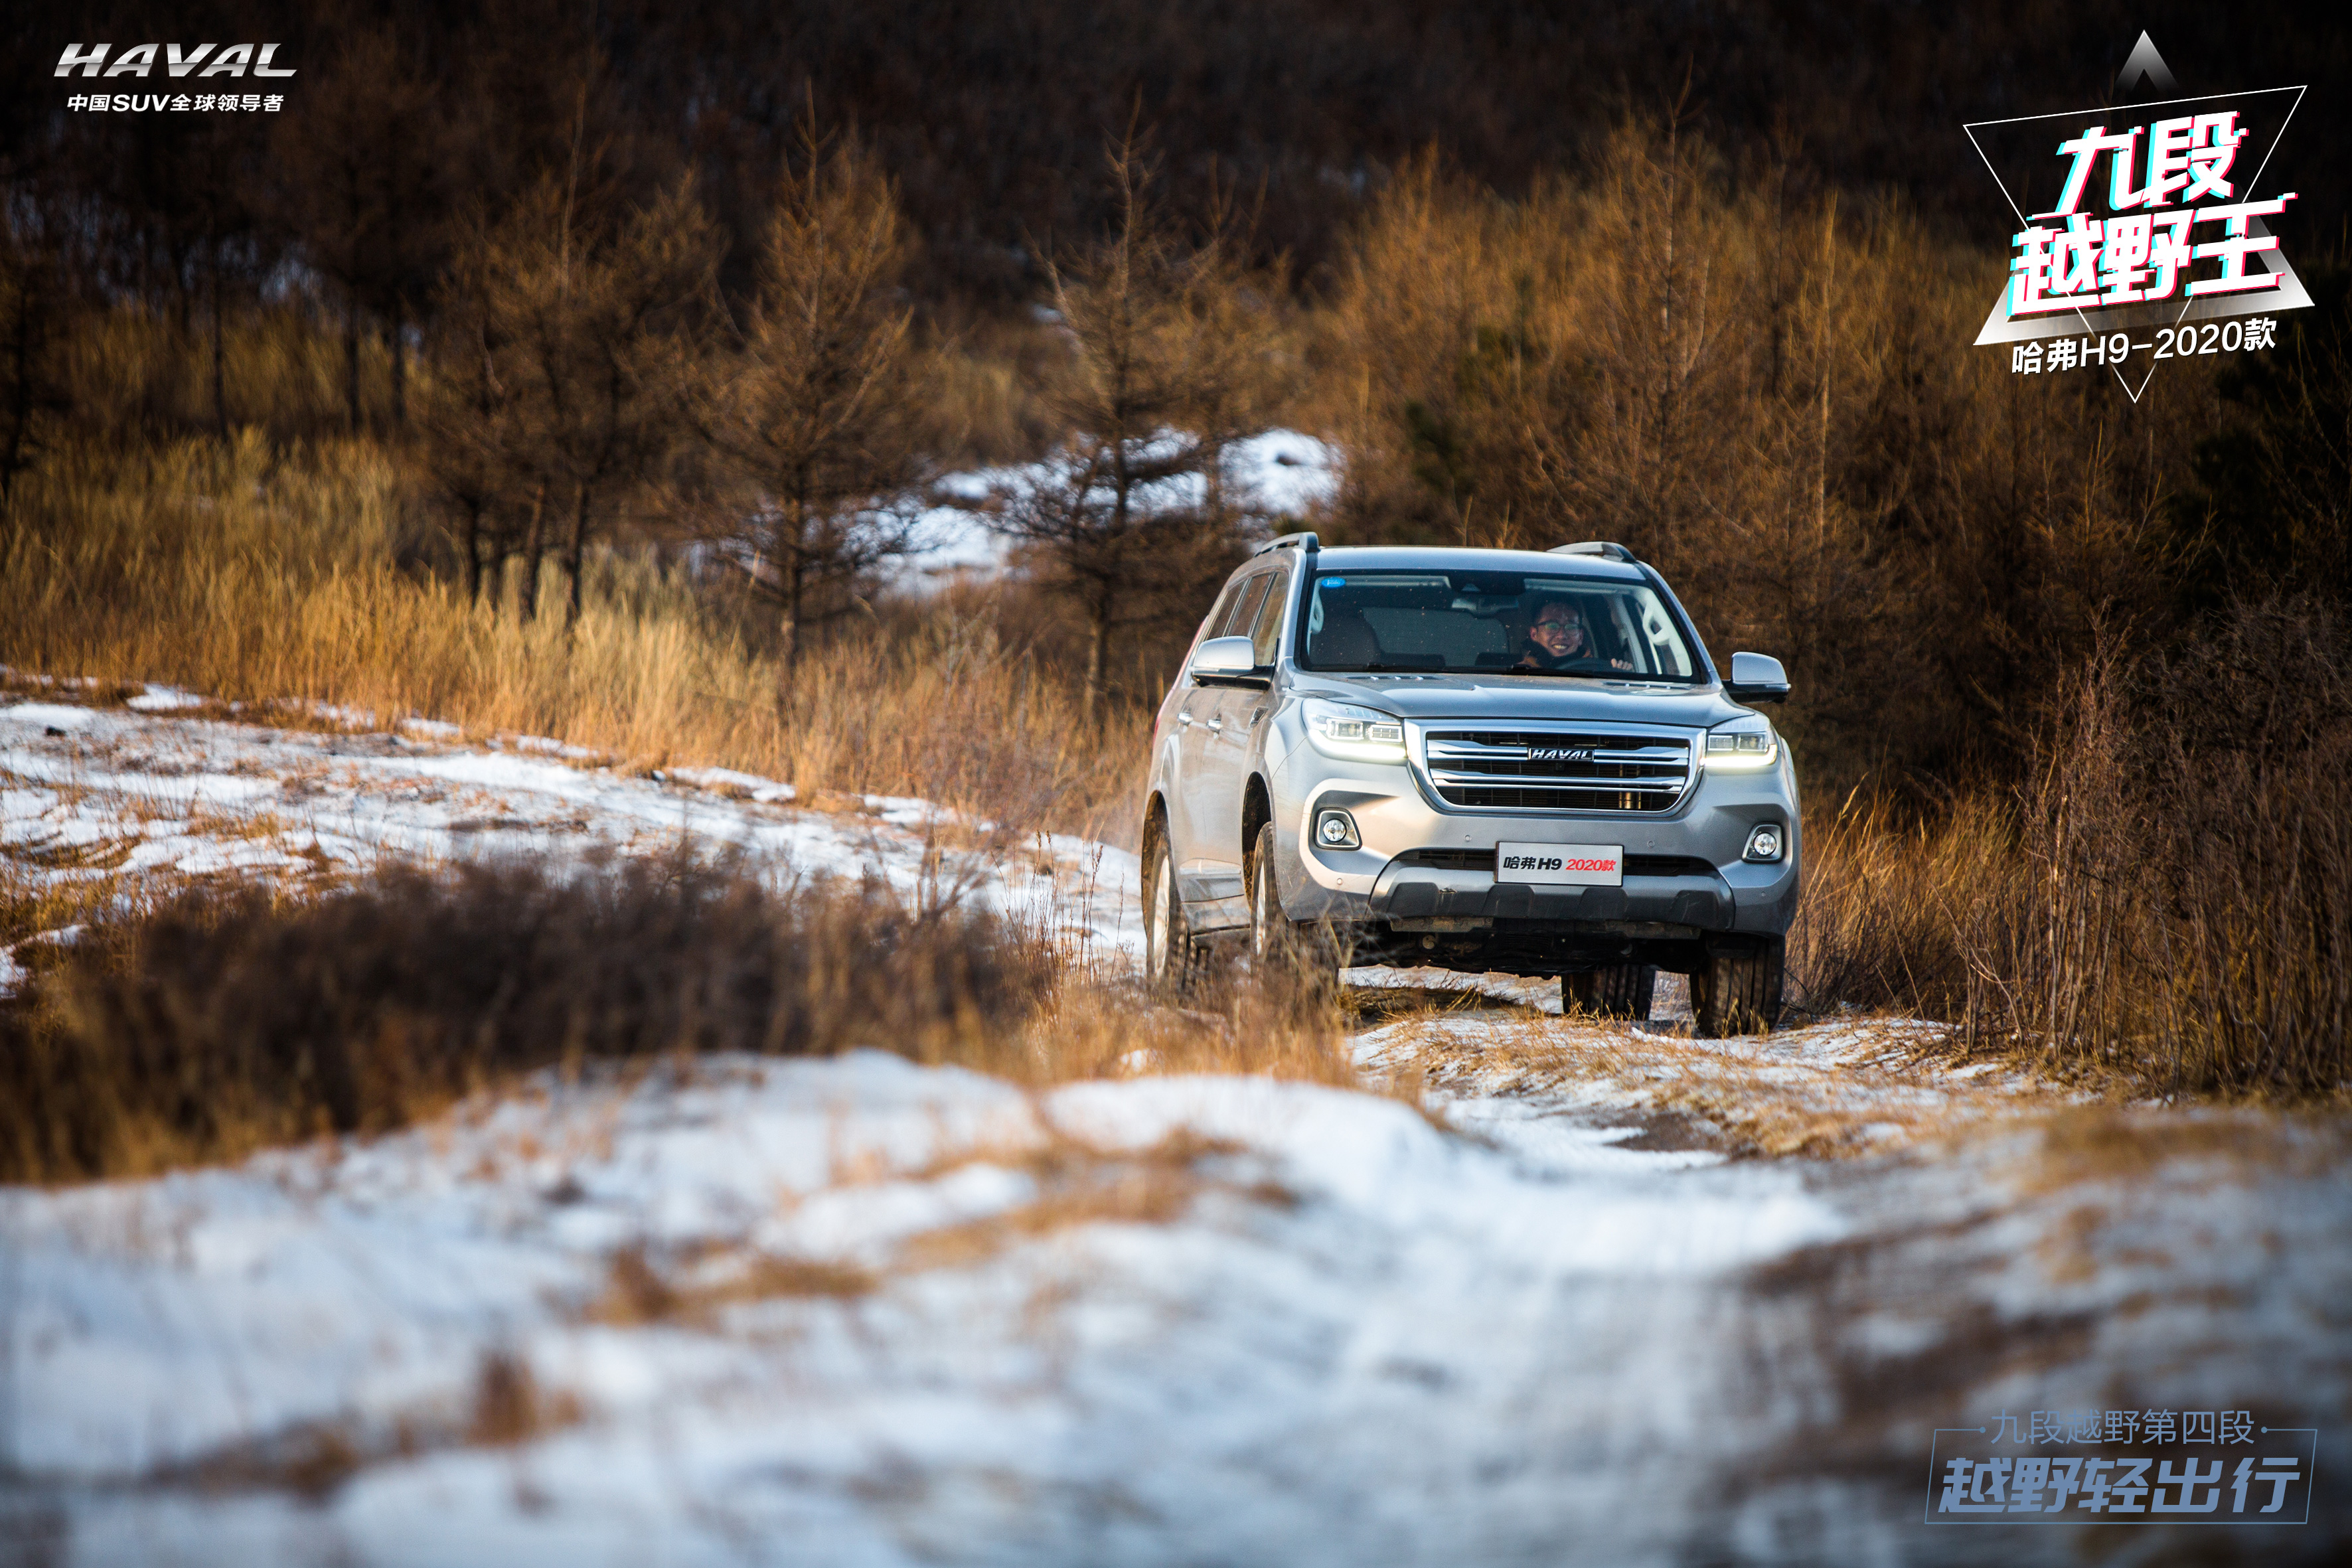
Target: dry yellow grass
point(34, 901)
point(1770, 1096)
point(1105, 1026)
point(2151, 905)
point(251, 577)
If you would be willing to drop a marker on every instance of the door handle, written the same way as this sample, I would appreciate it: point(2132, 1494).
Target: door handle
point(1218, 723)
point(1184, 720)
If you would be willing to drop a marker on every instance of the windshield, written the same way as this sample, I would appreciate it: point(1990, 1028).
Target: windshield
point(1495, 622)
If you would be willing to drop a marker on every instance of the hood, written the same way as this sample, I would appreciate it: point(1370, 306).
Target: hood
point(1501, 696)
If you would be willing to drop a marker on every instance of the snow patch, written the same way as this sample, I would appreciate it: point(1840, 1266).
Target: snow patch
point(163, 699)
point(48, 716)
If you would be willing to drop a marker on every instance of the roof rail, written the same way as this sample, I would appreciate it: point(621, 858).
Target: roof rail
point(1595, 547)
point(1301, 542)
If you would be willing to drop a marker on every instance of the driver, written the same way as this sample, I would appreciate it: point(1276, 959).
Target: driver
point(1560, 640)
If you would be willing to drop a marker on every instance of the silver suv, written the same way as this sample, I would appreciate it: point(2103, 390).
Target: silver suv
point(1478, 760)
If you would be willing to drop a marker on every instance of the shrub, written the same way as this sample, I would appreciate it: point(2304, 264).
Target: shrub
point(228, 1021)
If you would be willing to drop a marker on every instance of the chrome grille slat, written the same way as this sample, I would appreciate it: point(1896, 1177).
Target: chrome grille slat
point(1451, 752)
point(1584, 770)
point(1655, 785)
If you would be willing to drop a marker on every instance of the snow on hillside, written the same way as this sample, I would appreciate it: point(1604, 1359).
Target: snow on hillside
point(1276, 474)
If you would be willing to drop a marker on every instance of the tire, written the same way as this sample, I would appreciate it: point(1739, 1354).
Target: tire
point(1269, 932)
point(1277, 944)
point(1170, 954)
point(1620, 991)
point(1737, 990)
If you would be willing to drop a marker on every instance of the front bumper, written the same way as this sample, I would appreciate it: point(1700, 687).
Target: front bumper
point(1395, 817)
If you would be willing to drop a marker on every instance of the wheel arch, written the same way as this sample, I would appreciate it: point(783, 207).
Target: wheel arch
point(1155, 823)
point(1257, 810)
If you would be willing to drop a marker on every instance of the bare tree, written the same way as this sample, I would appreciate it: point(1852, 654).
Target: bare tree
point(33, 391)
point(817, 412)
point(478, 446)
point(368, 197)
point(1153, 389)
point(580, 319)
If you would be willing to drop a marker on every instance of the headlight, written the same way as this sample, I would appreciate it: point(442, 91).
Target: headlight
point(1360, 734)
point(1742, 746)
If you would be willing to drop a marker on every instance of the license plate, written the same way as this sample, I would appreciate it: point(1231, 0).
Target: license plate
point(1570, 864)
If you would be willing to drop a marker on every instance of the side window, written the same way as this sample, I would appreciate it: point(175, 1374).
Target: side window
point(1265, 632)
point(1213, 626)
point(1244, 613)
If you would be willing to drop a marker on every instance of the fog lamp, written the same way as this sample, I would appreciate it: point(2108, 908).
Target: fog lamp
point(1336, 830)
point(1764, 842)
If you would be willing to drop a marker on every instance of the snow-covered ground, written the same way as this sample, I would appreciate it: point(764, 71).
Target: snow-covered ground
point(861, 1311)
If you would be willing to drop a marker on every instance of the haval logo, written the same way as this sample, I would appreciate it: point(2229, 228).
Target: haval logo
point(1559, 754)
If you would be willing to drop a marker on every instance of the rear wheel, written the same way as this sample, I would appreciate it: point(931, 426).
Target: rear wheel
point(1620, 991)
point(1168, 949)
point(1737, 991)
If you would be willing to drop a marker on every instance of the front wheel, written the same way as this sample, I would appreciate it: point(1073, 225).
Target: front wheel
point(1269, 931)
point(1737, 991)
point(1277, 943)
point(1620, 991)
point(1169, 948)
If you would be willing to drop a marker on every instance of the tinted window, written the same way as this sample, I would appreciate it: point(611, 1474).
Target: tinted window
point(1221, 611)
point(1244, 616)
point(1266, 634)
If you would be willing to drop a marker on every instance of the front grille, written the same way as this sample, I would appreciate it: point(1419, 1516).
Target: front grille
point(1596, 770)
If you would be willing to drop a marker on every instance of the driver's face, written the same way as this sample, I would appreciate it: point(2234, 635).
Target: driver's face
point(1559, 630)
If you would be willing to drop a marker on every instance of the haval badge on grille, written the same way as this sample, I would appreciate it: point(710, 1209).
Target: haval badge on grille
point(1559, 754)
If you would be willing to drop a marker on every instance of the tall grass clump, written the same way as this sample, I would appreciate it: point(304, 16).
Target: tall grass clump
point(1879, 922)
point(247, 573)
point(224, 1022)
point(2166, 898)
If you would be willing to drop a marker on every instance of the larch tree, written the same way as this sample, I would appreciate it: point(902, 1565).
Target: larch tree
point(484, 464)
point(817, 412)
point(34, 397)
point(587, 312)
point(1158, 381)
point(368, 193)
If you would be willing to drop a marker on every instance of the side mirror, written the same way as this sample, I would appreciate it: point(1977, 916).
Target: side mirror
point(1223, 658)
point(1756, 677)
